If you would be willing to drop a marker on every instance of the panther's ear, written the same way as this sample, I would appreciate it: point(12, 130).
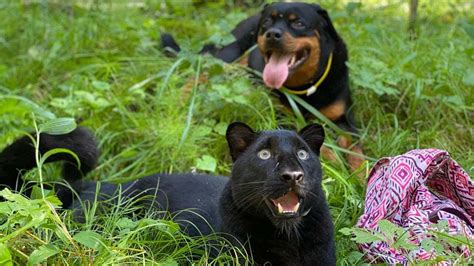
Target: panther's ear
point(239, 137)
point(328, 25)
point(313, 134)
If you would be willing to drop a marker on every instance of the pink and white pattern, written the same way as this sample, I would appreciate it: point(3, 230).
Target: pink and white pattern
point(414, 191)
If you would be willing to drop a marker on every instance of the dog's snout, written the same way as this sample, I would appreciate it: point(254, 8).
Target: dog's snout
point(274, 35)
point(292, 176)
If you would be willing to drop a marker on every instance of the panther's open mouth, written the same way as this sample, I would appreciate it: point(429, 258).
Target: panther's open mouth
point(286, 206)
point(279, 65)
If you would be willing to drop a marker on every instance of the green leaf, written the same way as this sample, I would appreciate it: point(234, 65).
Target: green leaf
point(3, 69)
point(60, 150)
point(5, 256)
point(404, 242)
point(389, 229)
point(42, 253)
point(124, 223)
point(58, 126)
point(54, 200)
point(363, 236)
point(32, 107)
point(429, 245)
point(468, 78)
point(216, 68)
point(129, 153)
point(354, 257)
point(221, 128)
point(18, 198)
point(5, 208)
point(352, 6)
point(168, 262)
point(207, 163)
point(346, 231)
point(100, 85)
point(36, 192)
point(468, 28)
point(442, 225)
point(89, 239)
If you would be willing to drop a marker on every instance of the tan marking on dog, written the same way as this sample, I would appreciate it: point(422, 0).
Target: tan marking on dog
point(354, 160)
point(334, 110)
point(292, 16)
point(274, 14)
point(261, 44)
point(244, 60)
point(304, 73)
point(344, 142)
point(328, 154)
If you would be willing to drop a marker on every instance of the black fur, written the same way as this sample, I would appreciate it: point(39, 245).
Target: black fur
point(240, 206)
point(334, 88)
point(20, 156)
point(307, 238)
point(191, 199)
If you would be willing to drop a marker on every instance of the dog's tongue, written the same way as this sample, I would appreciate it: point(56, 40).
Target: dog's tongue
point(276, 70)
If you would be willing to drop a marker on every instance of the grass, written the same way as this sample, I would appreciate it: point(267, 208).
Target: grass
point(100, 62)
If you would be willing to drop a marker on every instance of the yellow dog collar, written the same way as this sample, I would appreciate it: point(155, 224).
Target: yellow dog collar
point(315, 86)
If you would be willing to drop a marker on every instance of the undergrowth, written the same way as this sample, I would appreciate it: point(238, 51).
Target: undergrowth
point(100, 63)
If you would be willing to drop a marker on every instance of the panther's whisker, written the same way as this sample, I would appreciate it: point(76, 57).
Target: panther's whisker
point(311, 193)
point(250, 183)
point(247, 199)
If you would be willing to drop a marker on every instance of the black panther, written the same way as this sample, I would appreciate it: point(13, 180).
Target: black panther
point(272, 203)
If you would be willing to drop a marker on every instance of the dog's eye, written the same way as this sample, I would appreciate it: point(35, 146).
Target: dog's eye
point(297, 24)
point(264, 154)
point(267, 22)
point(302, 154)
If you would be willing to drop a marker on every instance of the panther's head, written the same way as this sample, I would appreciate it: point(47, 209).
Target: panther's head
point(276, 174)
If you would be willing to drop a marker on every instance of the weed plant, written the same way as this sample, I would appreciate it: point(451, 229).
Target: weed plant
point(100, 63)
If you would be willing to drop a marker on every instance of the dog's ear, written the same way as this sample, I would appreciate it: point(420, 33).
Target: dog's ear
point(260, 18)
point(313, 134)
point(239, 137)
point(328, 23)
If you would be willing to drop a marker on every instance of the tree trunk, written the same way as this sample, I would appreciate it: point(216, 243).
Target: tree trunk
point(412, 16)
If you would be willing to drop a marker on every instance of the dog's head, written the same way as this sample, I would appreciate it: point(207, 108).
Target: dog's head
point(294, 38)
point(276, 174)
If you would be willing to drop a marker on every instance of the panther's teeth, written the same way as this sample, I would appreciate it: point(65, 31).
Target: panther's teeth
point(280, 208)
point(297, 206)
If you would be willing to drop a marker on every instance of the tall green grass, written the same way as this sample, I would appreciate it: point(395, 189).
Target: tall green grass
point(100, 62)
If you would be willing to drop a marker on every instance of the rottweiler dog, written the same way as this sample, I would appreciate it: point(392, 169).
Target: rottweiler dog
point(299, 49)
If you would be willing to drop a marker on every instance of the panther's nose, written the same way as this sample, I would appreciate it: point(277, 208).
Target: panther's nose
point(292, 176)
point(274, 35)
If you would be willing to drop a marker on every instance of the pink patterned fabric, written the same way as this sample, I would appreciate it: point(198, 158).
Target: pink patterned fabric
point(414, 191)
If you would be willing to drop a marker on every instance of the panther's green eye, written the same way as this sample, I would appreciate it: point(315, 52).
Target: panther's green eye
point(264, 154)
point(302, 154)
